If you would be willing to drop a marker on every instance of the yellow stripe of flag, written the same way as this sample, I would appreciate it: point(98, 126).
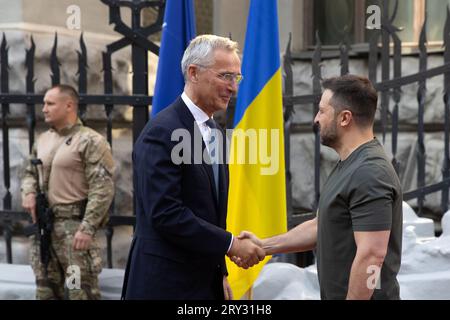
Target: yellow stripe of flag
point(257, 195)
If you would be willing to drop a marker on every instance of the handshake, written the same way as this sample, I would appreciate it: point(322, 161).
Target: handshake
point(247, 250)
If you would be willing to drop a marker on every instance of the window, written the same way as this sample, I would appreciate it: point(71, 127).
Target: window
point(437, 14)
point(333, 18)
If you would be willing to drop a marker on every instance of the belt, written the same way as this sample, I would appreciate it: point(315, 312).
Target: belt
point(73, 210)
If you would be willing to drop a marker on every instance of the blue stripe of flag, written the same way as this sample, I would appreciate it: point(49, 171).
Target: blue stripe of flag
point(178, 30)
point(261, 53)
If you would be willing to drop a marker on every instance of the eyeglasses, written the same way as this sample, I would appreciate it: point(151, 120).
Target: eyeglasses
point(226, 76)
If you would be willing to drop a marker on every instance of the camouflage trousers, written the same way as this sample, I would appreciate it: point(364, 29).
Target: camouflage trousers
point(72, 274)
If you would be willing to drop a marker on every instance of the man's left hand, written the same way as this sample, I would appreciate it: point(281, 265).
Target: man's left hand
point(81, 241)
point(227, 292)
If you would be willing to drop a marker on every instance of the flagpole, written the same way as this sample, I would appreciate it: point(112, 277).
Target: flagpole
point(248, 295)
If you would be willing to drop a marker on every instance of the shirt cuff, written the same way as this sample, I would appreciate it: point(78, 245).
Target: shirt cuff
point(87, 228)
point(231, 243)
point(25, 191)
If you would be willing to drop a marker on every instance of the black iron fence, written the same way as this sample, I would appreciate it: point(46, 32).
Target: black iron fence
point(385, 48)
point(137, 37)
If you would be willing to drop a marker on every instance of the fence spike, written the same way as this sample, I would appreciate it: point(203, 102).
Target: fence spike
point(446, 161)
point(29, 64)
point(344, 49)
point(288, 79)
point(82, 75)
point(4, 68)
point(31, 112)
point(54, 62)
point(394, 13)
point(317, 77)
point(421, 94)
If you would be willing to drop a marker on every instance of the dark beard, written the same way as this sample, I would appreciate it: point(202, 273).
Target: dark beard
point(330, 138)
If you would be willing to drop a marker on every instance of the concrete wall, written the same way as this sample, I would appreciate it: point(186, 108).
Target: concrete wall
point(10, 11)
point(230, 17)
point(51, 14)
point(204, 16)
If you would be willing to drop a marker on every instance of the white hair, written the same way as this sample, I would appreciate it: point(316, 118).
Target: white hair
point(201, 51)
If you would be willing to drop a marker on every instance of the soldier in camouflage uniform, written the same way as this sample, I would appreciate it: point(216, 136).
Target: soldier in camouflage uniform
point(77, 176)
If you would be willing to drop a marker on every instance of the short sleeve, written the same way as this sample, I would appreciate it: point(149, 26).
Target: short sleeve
point(371, 197)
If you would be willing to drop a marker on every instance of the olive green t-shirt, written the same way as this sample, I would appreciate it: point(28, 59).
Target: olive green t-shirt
point(362, 193)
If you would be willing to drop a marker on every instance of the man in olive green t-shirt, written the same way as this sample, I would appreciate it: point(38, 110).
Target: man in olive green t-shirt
point(358, 228)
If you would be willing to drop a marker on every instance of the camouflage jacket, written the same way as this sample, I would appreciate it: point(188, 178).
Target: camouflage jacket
point(90, 177)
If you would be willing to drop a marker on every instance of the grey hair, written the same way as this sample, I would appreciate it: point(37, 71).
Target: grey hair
point(201, 51)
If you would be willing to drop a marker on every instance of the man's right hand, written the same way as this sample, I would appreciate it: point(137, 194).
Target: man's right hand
point(29, 204)
point(250, 235)
point(248, 252)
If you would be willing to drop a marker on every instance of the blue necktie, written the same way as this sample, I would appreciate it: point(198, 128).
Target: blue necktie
point(212, 146)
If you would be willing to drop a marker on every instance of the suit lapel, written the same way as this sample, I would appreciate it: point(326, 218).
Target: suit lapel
point(191, 125)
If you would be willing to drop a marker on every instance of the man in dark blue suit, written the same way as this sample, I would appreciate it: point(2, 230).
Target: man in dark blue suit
point(180, 242)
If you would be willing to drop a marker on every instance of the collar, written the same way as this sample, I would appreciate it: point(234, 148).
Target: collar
point(199, 115)
point(69, 129)
point(369, 143)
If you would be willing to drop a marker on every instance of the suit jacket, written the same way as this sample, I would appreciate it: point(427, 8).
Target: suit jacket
point(179, 246)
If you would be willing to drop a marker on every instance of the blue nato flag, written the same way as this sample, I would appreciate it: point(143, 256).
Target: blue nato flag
point(178, 30)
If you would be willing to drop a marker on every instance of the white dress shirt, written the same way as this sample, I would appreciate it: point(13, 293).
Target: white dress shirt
point(200, 118)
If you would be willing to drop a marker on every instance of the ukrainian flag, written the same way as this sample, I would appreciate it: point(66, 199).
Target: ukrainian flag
point(257, 195)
